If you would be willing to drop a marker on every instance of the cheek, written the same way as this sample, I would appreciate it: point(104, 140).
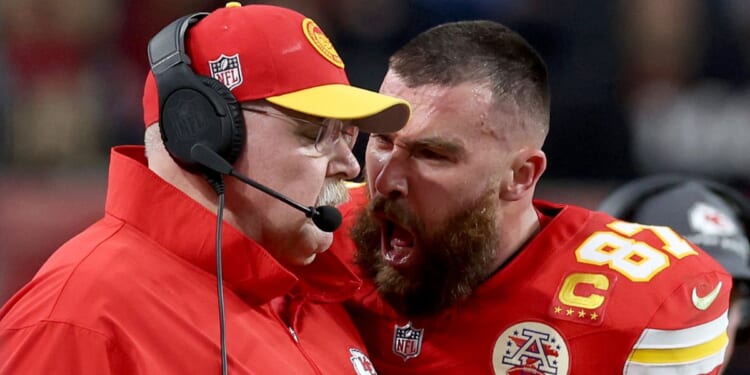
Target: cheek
point(286, 169)
point(303, 180)
point(376, 155)
point(436, 204)
point(439, 197)
point(374, 162)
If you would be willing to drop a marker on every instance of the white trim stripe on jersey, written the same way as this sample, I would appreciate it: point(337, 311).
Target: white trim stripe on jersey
point(682, 355)
point(681, 338)
point(693, 350)
point(703, 366)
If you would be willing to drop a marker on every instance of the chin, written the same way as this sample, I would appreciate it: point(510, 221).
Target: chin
point(319, 241)
point(312, 242)
point(297, 259)
point(308, 260)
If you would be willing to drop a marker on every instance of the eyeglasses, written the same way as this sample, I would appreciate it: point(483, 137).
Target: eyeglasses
point(330, 131)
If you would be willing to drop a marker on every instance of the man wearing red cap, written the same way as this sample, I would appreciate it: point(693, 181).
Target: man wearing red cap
point(258, 90)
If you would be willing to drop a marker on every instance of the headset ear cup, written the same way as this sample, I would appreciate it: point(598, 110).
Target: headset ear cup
point(233, 126)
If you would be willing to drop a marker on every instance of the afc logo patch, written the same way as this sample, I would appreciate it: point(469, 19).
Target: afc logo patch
point(530, 348)
point(227, 70)
point(407, 341)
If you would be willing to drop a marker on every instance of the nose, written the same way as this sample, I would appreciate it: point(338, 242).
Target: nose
point(343, 163)
point(391, 175)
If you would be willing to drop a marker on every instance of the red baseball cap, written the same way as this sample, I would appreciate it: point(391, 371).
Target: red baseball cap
point(273, 53)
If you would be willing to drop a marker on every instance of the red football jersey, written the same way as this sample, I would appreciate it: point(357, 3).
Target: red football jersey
point(588, 295)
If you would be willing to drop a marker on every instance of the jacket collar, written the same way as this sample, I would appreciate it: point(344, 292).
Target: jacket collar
point(180, 225)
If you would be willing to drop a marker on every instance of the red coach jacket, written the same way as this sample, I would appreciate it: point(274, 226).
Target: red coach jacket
point(135, 293)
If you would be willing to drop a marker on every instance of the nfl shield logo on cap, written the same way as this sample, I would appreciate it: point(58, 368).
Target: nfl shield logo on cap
point(407, 341)
point(227, 70)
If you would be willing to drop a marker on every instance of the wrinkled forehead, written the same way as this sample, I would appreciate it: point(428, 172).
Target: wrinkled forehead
point(457, 96)
point(465, 110)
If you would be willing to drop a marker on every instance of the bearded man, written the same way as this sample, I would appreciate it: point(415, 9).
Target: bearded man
point(468, 274)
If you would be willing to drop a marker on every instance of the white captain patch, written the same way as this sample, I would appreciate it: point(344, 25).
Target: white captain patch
point(530, 348)
point(407, 341)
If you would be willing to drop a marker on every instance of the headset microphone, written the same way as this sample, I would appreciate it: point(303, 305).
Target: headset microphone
point(326, 218)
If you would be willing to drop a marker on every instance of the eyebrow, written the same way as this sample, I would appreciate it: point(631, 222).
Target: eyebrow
point(435, 143)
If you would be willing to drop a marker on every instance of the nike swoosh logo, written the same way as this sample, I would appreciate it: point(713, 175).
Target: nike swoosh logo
point(703, 303)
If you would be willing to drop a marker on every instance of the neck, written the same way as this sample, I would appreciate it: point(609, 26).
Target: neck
point(193, 185)
point(517, 225)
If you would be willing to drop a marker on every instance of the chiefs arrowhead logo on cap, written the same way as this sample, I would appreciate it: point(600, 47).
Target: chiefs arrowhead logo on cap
point(320, 41)
point(707, 219)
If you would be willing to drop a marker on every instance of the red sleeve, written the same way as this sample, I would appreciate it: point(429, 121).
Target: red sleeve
point(688, 331)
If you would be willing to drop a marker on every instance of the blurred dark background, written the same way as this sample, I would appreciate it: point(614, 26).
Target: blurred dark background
point(639, 87)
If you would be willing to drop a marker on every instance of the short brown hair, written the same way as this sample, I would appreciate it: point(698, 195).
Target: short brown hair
point(478, 51)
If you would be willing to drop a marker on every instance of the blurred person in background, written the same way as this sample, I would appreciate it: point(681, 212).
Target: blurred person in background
point(684, 85)
point(710, 214)
point(68, 67)
point(465, 272)
point(260, 89)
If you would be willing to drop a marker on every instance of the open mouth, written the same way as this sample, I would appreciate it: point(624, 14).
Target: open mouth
point(397, 245)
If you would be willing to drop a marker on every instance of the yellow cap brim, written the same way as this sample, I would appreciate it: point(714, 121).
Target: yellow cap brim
point(373, 112)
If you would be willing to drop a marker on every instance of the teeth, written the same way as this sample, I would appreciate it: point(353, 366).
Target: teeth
point(397, 252)
point(401, 237)
point(397, 243)
point(398, 247)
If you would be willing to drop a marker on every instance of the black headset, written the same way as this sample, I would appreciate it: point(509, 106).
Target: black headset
point(193, 109)
point(625, 200)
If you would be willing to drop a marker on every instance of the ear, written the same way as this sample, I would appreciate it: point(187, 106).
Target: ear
point(526, 169)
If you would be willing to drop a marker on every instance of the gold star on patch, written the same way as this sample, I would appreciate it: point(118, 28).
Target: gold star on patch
point(558, 309)
point(569, 312)
point(581, 314)
point(594, 316)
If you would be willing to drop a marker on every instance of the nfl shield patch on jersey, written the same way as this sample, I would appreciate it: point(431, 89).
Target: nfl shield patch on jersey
point(407, 341)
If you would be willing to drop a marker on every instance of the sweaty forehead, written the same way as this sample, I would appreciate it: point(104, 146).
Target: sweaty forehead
point(464, 108)
point(468, 96)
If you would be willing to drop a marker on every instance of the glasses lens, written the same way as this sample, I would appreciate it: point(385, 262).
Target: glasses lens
point(349, 135)
point(321, 140)
point(328, 134)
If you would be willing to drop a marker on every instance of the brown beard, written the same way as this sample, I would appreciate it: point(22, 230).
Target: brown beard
point(453, 259)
